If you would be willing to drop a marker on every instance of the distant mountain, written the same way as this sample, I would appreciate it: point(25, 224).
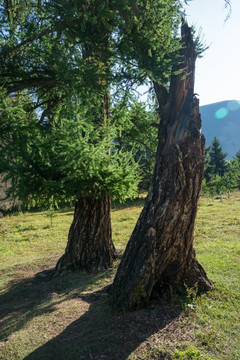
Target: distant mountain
point(222, 119)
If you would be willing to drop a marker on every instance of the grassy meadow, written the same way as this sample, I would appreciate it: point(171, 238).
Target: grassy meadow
point(70, 317)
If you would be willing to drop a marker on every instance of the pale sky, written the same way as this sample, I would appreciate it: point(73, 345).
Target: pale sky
point(218, 71)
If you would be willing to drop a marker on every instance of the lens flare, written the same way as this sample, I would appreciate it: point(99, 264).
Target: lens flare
point(221, 113)
point(233, 105)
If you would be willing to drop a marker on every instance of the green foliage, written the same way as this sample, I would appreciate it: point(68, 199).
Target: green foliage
point(52, 211)
point(225, 184)
point(238, 156)
point(200, 45)
point(63, 160)
point(54, 53)
point(138, 133)
point(215, 160)
point(191, 353)
point(58, 47)
point(152, 43)
point(221, 177)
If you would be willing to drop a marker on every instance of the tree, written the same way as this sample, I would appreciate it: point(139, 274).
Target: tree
point(238, 156)
point(234, 170)
point(66, 161)
point(160, 251)
point(215, 160)
point(47, 57)
point(58, 53)
point(220, 176)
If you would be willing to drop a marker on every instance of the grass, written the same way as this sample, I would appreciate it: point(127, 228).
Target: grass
point(70, 318)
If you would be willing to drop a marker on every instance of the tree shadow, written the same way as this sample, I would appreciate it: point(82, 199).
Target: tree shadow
point(30, 297)
point(101, 333)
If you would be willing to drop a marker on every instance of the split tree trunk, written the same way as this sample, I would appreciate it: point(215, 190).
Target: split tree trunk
point(160, 250)
point(90, 245)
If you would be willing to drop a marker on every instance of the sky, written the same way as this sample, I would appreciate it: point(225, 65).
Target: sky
point(218, 71)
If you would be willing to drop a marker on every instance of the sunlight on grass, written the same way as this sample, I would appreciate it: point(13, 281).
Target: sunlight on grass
point(34, 312)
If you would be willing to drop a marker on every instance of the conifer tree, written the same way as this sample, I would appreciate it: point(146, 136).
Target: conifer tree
point(238, 156)
point(221, 176)
point(215, 160)
point(61, 52)
point(237, 166)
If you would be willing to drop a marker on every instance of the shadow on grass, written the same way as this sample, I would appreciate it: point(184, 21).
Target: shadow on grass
point(102, 333)
point(28, 298)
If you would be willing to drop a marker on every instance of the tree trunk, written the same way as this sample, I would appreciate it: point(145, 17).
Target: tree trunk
point(160, 250)
point(90, 245)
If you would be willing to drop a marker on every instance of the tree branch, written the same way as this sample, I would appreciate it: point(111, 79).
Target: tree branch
point(26, 84)
point(25, 42)
point(50, 107)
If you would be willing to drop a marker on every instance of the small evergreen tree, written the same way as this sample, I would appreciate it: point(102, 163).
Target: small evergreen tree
point(208, 169)
point(220, 176)
point(238, 156)
point(215, 160)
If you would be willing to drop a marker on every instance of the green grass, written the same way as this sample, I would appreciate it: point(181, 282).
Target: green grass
point(70, 318)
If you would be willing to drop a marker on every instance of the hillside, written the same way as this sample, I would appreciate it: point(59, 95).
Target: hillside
point(222, 119)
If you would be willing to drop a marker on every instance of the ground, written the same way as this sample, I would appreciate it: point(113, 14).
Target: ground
point(70, 317)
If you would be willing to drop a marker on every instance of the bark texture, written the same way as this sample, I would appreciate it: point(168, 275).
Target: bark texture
point(160, 250)
point(90, 245)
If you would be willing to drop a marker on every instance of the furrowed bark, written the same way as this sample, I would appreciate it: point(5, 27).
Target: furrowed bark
point(160, 250)
point(90, 245)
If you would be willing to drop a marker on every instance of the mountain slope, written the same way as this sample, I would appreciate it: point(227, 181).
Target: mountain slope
point(222, 119)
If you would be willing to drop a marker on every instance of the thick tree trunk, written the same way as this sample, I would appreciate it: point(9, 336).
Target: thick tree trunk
point(90, 245)
point(160, 250)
